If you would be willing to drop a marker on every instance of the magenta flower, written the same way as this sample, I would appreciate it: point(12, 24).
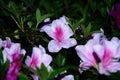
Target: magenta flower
point(85, 52)
point(116, 14)
point(60, 32)
point(13, 71)
point(15, 66)
point(13, 49)
point(106, 54)
point(38, 57)
point(6, 43)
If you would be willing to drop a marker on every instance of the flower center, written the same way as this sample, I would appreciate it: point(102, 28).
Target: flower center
point(58, 34)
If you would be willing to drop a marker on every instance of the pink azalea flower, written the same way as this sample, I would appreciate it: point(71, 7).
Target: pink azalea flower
point(38, 57)
point(60, 32)
point(9, 51)
point(15, 66)
point(68, 77)
point(7, 43)
point(116, 14)
point(106, 55)
point(13, 71)
point(85, 52)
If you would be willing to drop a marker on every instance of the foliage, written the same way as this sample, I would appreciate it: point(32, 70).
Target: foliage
point(21, 20)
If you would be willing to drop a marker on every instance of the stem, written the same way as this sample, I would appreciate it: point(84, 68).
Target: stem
point(20, 26)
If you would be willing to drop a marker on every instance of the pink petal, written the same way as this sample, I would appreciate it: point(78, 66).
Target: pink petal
point(35, 77)
point(47, 29)
point(67, 30)
point(36, 57)
point(63, 19)
point(86, 53)
point(68, 77)
point(69, 43)
point(42, 50)
point(46, 59)
point(59, 34)
point(99, 50)
point(107, 57)
point(114, 67)
point(53, 46)
point(102, 70)
point(28, 61)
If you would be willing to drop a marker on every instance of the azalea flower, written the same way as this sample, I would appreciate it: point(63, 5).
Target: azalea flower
point(116, 14)
point(86, 54)
point(106, 55)
point(7, 43)
point(38, 57)
point(60, 32)
point(68, 77)
point(15, 66)
point(8, 52)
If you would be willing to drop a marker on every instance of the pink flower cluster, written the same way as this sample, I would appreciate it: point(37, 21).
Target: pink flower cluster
point(12, 52)
point(58, 30)
point(100, 53)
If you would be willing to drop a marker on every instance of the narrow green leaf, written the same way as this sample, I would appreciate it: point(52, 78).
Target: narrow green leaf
point(38, 15)
point(87, 30)
point(43, 72)
point(22, 76)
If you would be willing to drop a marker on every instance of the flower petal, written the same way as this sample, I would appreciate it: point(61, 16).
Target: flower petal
point(102, 70)
point(53, 46)
point(47, 29)
point(46, 59)
point(35, 77)
point(28, 61)
point(69, 43)
point(99, 50)
point(68, 77)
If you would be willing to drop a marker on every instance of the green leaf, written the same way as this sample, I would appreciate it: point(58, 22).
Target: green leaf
point(87, 30)
point(92, 4)
point(43, 18)
point(13, 7)
point(43, 72)
point(38, 15)
point(1, 56)
point(30, 24)
point(60, 60)
point(60, 70)
point(78, 23)
point(22, 76)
